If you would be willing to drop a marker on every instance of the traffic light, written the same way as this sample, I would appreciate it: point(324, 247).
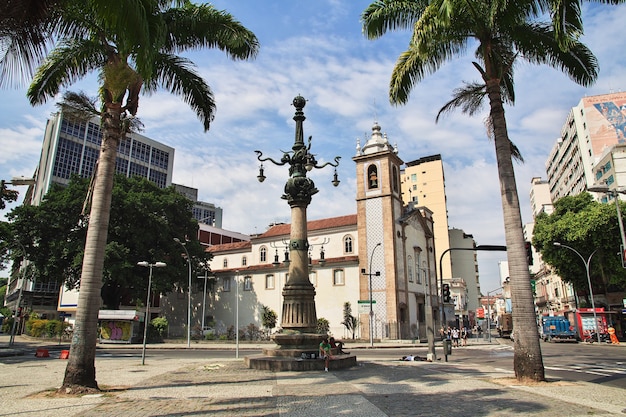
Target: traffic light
point(529, 253)
point(446, 293)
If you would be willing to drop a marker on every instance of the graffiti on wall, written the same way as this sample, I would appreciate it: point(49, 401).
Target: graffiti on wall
point(115, 330)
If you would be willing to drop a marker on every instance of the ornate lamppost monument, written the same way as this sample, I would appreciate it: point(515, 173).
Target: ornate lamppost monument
point(299, 340)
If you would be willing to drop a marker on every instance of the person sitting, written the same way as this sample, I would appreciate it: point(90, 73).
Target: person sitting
point(337, 344)
point(325, 353)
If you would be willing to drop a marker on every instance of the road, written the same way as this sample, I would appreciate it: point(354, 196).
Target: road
point(595, 363)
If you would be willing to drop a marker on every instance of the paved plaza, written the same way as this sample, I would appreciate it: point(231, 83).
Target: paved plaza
point(225, 387)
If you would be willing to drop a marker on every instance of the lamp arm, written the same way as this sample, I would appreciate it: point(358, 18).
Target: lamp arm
point(335, 164)
point(259, 154)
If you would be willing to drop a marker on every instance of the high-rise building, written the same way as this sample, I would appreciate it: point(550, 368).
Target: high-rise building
point(591, 132)
point(72, 147)
point(423, 184)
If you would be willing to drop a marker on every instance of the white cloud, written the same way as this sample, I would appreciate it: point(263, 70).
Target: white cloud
point(317, 49)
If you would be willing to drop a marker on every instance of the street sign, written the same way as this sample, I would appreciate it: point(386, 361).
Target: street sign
point(364, 306)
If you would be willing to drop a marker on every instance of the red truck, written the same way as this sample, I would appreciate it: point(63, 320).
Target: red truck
point(583, 320)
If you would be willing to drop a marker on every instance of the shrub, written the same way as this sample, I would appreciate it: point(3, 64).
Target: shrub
point(157, 329)
point(322, 326)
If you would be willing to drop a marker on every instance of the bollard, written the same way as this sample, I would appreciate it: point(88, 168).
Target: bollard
point(42, 353)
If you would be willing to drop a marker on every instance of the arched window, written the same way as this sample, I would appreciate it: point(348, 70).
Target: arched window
point(263, 253)
point(372, 176)
point(347, 244)
point(395, 179)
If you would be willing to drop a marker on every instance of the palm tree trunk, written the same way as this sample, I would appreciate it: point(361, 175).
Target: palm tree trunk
point(81, 369)
point(527, 361)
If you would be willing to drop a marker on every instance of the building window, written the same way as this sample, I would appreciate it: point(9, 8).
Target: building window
point(225, 263)
point(247, 283)
point(338, 277)
point(395, 179)
point(226, 284)
point(372, 177)
point(244, 260)
point(347, 244)
point(263, 254)
point(269, 282)
point(419, 271)
point(409, 263)
point(413, 177)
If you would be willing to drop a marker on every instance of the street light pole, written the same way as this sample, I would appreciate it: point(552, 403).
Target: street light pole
point(489, 312)
point(586, 262)
point(237, 314)
point(490, 248)
point(371, 299)
point(146, 264)
point(184, 245)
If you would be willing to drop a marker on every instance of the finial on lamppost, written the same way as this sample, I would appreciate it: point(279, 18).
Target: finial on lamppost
point(299, 188)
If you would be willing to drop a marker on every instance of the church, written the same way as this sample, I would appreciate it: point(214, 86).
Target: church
point(380, 260)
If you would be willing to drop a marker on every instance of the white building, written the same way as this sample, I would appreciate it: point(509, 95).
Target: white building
point(385, 251)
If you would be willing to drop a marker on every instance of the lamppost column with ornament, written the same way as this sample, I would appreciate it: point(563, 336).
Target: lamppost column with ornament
point(298, 313)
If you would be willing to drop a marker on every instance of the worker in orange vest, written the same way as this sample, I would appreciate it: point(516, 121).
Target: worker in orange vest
point(611, 331)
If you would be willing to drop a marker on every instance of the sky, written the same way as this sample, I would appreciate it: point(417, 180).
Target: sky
point(317, 50)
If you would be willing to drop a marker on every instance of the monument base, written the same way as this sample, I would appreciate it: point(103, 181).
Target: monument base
point(297, 352)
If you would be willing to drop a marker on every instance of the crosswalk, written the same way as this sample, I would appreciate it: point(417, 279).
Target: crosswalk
point(603, 369)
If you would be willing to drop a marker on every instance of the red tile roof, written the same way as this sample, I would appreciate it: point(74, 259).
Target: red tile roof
point(225, 247)
point(330, 223)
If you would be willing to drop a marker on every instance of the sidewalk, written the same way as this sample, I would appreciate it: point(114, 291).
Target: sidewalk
point(225, 387)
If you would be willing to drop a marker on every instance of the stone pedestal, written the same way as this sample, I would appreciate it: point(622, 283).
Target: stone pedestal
point(297, 352)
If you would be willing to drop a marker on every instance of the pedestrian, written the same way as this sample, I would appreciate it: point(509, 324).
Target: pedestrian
point(613, 336)
point(325, 352)
point(337, 344)
point(455, 337)
point(464, 336)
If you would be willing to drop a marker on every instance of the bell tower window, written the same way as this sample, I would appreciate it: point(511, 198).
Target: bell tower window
point(372, 177)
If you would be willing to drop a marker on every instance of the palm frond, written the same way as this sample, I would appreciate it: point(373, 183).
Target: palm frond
point(538, 44)
point(177, 76)
point(65, 64)
point(79, 105)
point(202, 26)
point(469, 98)
point(389, 15)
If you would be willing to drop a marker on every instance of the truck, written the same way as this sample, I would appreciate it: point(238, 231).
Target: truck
point(583, 322)
point(505, 325)
point(558, 329)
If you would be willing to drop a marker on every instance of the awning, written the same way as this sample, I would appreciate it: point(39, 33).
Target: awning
point(132, 315)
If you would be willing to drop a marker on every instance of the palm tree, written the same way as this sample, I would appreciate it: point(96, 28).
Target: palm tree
point(28, 27)
point(126, 66)
point(503, 32)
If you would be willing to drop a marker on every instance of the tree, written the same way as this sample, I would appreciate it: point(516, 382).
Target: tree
point(587, 226)
point(350, 322)
point(268, 318)
point(144, 221)
point(503, 32)
point(127, 65)
point(28, 27)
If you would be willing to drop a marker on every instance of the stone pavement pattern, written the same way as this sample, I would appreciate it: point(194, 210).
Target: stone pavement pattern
point(225, 387)
point(228, 388)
